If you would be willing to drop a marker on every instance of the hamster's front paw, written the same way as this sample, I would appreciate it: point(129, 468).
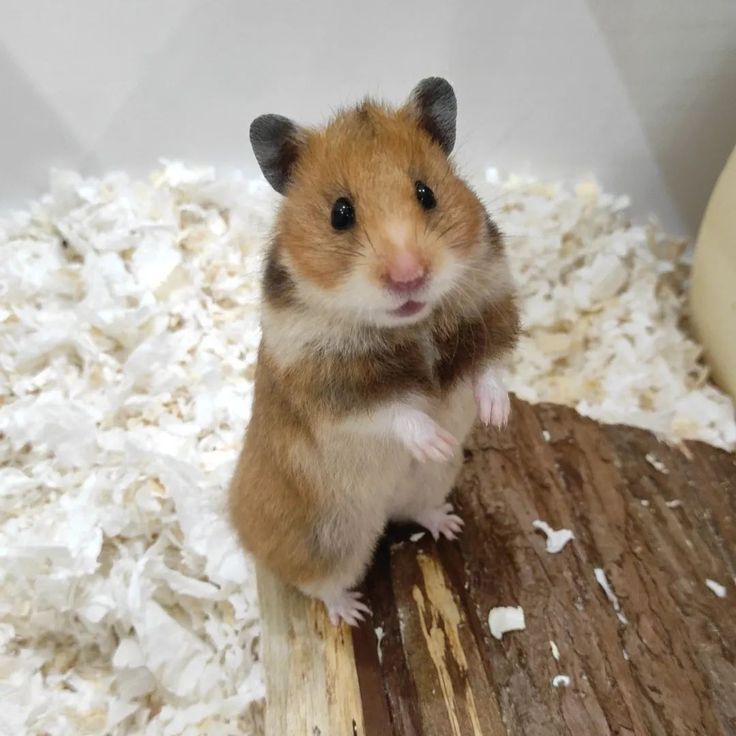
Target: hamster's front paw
point(423, 437)
point(440, 521)
point(347, 607)
point(494, 405)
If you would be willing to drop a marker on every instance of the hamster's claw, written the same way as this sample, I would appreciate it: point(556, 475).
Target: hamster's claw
point(441, 521)
point(421, 435)
point(347, 607)
point(494, 405)
point(434, 443)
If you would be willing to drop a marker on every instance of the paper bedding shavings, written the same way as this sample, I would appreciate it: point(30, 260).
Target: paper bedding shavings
point(600, 576)
point(716, 588)
point(560, 681)
point(129, 329)
point(656, 463)
point(380, 633)
point(556, 538)
point(503, 619)
point(602, 303)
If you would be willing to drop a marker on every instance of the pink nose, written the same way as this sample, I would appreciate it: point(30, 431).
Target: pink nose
point(406, 273)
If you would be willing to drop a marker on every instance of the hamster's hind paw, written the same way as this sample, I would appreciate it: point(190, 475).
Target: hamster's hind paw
point(441, 521)
point(494, 405)
point(347, 607)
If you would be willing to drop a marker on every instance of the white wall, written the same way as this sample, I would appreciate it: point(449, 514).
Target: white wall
point(640, 92)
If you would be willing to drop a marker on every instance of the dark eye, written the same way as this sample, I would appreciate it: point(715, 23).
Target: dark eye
point(425, 195)
point(343, 214)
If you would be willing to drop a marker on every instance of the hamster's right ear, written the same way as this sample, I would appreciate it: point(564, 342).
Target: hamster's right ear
point(276, 142)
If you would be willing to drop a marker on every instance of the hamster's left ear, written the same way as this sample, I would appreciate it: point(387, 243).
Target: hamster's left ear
point(276, 142)
point(434, 104)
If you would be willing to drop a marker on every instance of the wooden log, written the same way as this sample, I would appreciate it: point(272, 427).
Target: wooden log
point(658, 522)
point(311, 676)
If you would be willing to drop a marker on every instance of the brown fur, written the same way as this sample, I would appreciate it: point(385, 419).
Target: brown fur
point(372, 155)
point(473, 342)
point(266, 464)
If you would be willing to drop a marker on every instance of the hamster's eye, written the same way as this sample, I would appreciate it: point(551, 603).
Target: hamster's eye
point(425, 195)
point(343, 214)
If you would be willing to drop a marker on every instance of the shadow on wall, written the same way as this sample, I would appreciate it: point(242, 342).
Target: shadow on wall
point(30, 117)
point(692, 148)
point(224, 63)
point(641, 94)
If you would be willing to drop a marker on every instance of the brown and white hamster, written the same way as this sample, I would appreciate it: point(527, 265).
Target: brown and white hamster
point(387, 304)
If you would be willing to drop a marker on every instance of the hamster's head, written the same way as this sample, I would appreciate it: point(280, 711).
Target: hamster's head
point(375, 224)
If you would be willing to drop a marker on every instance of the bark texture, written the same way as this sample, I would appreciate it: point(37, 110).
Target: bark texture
point(657, 520)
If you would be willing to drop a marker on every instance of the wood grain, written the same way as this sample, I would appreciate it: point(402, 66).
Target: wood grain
point(311, 676)
point(657, 520)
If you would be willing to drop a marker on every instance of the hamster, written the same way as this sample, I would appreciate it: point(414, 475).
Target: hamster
point(387, 306)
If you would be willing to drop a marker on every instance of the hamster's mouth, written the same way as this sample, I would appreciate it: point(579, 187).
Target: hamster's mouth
point(408, 309)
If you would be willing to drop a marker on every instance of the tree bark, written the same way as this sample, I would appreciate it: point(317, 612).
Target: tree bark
point(657, 520)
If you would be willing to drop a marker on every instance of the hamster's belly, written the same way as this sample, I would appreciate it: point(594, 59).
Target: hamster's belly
point(428, 484)
point(457, 412)
point(360, 469)
point(373, 475)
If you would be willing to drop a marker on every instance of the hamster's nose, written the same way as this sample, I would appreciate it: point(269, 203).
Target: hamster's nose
point(405, 273)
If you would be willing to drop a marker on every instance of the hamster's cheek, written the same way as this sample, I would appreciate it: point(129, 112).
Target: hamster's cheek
point(359, 298)
point(360, 294)
point(449, 271)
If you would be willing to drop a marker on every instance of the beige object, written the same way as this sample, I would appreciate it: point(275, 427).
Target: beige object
point(713, 289)
point(311, 676)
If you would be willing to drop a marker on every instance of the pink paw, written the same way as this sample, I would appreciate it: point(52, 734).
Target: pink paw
point(425, 439)
point(494, 405)
point(441, 521)
point(347, 607)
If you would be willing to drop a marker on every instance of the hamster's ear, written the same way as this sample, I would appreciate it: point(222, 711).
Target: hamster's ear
point(276, 142)
point(433, 103)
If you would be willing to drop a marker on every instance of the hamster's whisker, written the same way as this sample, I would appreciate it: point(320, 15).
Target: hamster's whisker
point(470, 268)
point(498, 198)
point(451, 226)
point(335, 249)
point(457, 243)
point(365, 232)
